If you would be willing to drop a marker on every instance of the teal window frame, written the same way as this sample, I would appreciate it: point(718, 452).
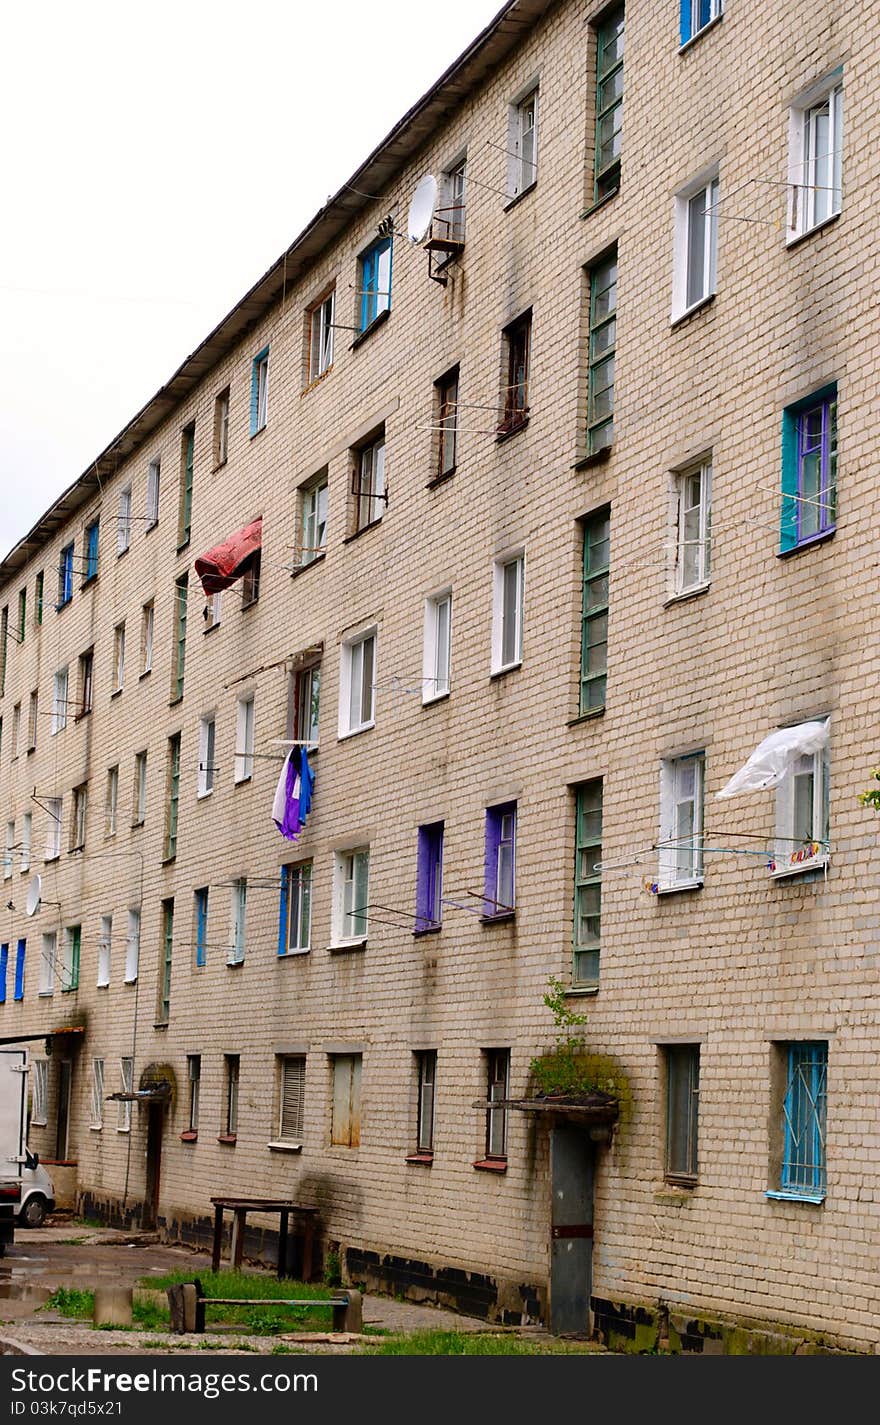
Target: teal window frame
point(695, 16)
point(374, 301)
point(594, 611)
point(259, 418)
point(795, 453)
point(187, 465)
point(587, 884)
point(602, 352)
point(91, 551)
point(804, 1165)
point(4, 971)
point(201, 909)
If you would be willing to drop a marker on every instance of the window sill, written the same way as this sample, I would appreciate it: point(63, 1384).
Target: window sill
point(259, 430)
point(189, 1137)
point(182, 544)
point(674, 1194)
point(168, 860)
point(424, 930)
point(679, 319)
point(230, 1139)
point(78, 717)
point(784, 873)
point(595, 457)
point(500, 917)
point(503, 672)
point(115, 694)
point(423, 1160)
point(87, 583)
point(679, 1184)
point(809, 232)
point(212, 628)
point(671, 890)
point(219, 466)
point(507, 433)
point(146, 673)
point(243, 781)
point(96, 1128)
point(203, 796)
point(235, 964)
point(176, 700)
point(491, 1165)
point(121, 553)
point(65, 605)
point(136, 825)
point(377, 321)
point(45, 994)
point(586, 717)
point(600, 202)
point(810, 543)
point(350, 538)
point(284, 1147)
point(582, 991)
point(687, 595)
point(102, 985)
point(438, 698)
point(150, 527)
point(815, 1199)
point(355, 731)
point(295, 954)
point(316, 381)
point(310, 564)
point(130, 980)
point(345, 945)
point(518, 197)
point(160, 1023)
point(440, 479)
point(251, 605)
point(704, 30)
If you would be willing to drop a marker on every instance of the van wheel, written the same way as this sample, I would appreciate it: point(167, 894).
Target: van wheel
point(33, 1214)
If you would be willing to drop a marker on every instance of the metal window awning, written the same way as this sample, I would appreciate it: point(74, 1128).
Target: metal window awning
point(158, 1092)
point(226, 562)
point(596, 1108)
point(42, 1034)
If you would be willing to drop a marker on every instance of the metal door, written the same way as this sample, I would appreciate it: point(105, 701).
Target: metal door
point(65, 1072)
point(571, 1230)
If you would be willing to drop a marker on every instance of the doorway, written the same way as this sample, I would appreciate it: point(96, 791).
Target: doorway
point(62, 1117)
point(572, 1168)
point(155, 1124)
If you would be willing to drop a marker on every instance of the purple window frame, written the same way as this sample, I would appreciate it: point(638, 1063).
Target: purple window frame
point(492, 910)
point(429, 878)
point(827, 513)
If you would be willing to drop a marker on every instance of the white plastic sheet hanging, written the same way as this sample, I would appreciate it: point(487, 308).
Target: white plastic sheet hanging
point(773, 758)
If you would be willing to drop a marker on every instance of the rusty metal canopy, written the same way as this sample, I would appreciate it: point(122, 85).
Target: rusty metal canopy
point(155, 1093)
point(42, 1034)
point(587, 1108)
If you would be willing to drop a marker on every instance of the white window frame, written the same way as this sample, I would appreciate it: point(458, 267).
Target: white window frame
point(112, 800)
point(321, 334)
point(221, 427)
point(59, 700)
point(303, 697)
point(370, 478)
point(207, 752)
point(27, 832)
point(40, 1092)
point(313, 519)
point(97, 1118)
point(452, 215)
point(791, 859)
point(148, 626)
point(351, 889)
point(299, 885)
point(55, 813)
point(48, 958)
point(295, 1065)
point(33, 713)
point(351, 684)
point(811, 175)
point(126, 1081)
point(501, 609)
point(140, 788)
point(680, 866)
point(123, 520)
point(153, 479)
point(9, 857)
point(716, 10)
point(261, 376)
point(693, 528)
point(105, 951)
point(522, 143)
point(132, 945)
point(245, 721)
point(437, 655)
point(119, 657)
point(237, 921)
point(703, 190)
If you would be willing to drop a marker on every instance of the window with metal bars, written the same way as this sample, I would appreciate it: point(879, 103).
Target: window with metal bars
point(804, 1171)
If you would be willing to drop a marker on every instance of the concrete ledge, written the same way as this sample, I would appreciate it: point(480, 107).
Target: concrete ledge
point(8, 1347)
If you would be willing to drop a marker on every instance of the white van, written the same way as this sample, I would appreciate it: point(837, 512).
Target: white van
point(37, 1196)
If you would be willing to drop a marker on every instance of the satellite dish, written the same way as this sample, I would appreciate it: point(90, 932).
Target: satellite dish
point(421, 209)
point(33, 896)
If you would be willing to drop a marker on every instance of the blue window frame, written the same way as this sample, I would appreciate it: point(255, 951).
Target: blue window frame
point(65, 576)
point(429, 878)
point(4, 969)
point(91, 551)
point(201, 900)
point(500, 866)
point(696, 15)
point(260, 390)
point(18, 991)
point(803, 1156)
point(809, 470)
point(295, 910)
point(375, 281)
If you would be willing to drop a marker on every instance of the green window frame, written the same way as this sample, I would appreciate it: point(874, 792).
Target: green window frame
point(594, 612)
point(167, 953)
point(173, 796)
point(187, 461)
point(181, 594)
point(609, 103)
point(602, 345)
point(587, 884)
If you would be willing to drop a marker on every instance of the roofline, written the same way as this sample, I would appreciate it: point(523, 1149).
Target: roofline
point(375, 174)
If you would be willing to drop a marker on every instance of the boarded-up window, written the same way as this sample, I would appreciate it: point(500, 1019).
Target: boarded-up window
point(346, 1127)
point(293, 1082)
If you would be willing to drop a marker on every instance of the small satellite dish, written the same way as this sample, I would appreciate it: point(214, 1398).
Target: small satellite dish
point(32, 905)
point(421, 209)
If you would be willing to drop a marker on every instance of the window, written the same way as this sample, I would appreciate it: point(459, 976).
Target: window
point(296, 909)
point(250, 581)
point(436, 665)
point(696, 240)
point(154, 476)
point(33, 712)
point(59, 701)
point(91, 541)
point(696, 15)
point(313, 521)
point(809, 469)
point(291, 1097)
point(682, 1064)
point(497, 1090)
point(53, 827)
point(515, 395)
point(48, 955)
point(259, 391)
point(173, 797)
point(681, 823)
point(231, 1072)
point(123, 521)
point(164, 1006)
point(357, 694)
point(594, 612)
point(111, 804)
point(221, 429)
point(446, 419)
point(603, 340)
point(194, 1080)
point(321, 321)
point(429, 878)
point(345, 1129)
point(352, 877)
point(20, 953)
point(86, 681)
point(368, 484)
point(507, 620)
point(148, 622)
point(500, 865)
point(38, 598)
point(213, 611)
point(9, 857)
point(126, 1083)
point(374, 272)
point(97, 1119)
point(451, 216)
point(65, 576)
point(244, 739)
point(105, 950)
point(118, 657)
point(200, 907)
point(16, 730)
point(184, 509)
point(237, 922)
point(609, 103)
point(78, 821)
point(207, 730)
point(181, 595)
point(307, 702)
point(4, 971)
point(27, 824)
point(802, 816)
point(40, 1092)
point(4, 645)
point(522, 145)
point(802, 1171)
point(140, 789)
point(816, 157)
point(587, 885)
point(693, 495)
point(132, 946)
point(22, 615)
point(426, 1069)
point(70, 957)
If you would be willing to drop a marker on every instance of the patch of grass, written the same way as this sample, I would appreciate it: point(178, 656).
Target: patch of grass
point(150, 1316)
point(87, 1222)
point(466, 1343)
point(259, 1320)
point(68, 1301)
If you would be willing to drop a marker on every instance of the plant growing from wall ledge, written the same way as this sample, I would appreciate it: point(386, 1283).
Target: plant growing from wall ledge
point(871, 796)
point(562, 1072)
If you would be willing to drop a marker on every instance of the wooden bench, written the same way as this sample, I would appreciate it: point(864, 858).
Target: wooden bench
point(187, 1302)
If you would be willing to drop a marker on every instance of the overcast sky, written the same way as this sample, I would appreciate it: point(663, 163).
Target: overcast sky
point(157, 158)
